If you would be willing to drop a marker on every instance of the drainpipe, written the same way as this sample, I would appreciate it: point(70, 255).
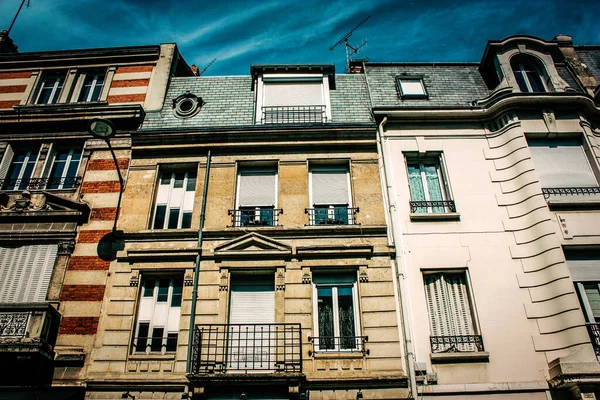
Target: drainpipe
point(188, 364)
point(400, 266)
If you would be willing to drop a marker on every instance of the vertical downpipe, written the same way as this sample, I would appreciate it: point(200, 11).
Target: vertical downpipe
point(197, 267)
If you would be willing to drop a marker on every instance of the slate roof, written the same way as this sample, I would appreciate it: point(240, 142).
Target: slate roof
point(448, 85)
point(590, 56)
point(229, 102)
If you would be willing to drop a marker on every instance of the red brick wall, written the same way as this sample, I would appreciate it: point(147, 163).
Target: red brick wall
point(107, 164)
point(91, 236)
point(127, 98)
point(82, 293)
point(87, 263)
point(9, 103)
point(103, 214)
point(134, 68)
point(130, 83)
point(101, 187)
point(15, 75)
point(78, 325)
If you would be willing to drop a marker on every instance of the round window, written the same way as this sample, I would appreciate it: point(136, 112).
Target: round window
point(186, 105)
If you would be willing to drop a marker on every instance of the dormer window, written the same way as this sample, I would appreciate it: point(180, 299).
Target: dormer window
point(529, 73)
point(298, 97)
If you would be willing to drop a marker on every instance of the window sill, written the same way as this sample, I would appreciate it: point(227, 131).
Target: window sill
point(574, 204)
point(448, 358)
point(146, 357)
point(435, 216)
point(341, 354)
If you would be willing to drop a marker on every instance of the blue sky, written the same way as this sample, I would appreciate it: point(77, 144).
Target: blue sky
point(240, 33)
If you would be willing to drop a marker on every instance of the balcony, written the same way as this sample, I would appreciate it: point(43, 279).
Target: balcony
point(594, 332)
point(332, 215)
point(456, 344)
point(293, 114)
point(40, 183)
point(244, 348)
point(432, 207)
point(255, 216)
point(27, 337)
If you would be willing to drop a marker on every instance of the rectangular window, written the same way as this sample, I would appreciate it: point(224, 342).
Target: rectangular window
point(61, 168)
point(411, 87)
point(451, 316)
point(330, 195)
point(564, 169)
point(336, 313)
point(17, 168)
point(256, 197)
point(584, 266)
point(175, 200)
point(92, 82)
point(293, 99)
point(50, 87)
point(25, 272)
point(158, 315)
point(429, 191)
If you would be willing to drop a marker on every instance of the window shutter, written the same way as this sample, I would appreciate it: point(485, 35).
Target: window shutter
point(252, 303)
point(563, 165)
point(330, 186)
point(257, 187)
point(25, 272)
point(417, 192)
point(6, 161)
point(436, 301)
point(584, 269)
point(293, 94)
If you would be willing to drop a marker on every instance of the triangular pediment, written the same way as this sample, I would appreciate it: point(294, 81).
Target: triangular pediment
point(25, 205)
point(252, 244)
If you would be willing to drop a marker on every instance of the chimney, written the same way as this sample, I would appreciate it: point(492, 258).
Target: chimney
point(356, 66)
point(194, 69)
point(6, 44)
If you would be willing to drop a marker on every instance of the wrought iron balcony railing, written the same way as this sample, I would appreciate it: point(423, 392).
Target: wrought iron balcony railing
point(594, 331)
point(339, 343)
point(570, 191)
point(40, 183)
point(255, 216)
point(239, 348)
point(332, 215)
point(456, 344)
point(293, 114)
point(14, 324)
point(438, 206)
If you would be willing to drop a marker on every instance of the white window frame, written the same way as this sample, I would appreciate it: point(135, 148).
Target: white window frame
point(400, 79)
point(470, 301)
point(257, 207)
point(9, 160)
point(79, 86)
point(57, 88)
point(331, 167)
point(265, 79)
point(170, 198)
point(336, 319)
point(51, 164)
point(151, 321)
point(438, 160)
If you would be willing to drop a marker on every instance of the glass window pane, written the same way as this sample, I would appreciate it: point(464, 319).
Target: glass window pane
point(142, 339)
point(535, 81)
point(165, 178)
point(157, 339)
point(179, 176)
point(325, 317)
point(159, 218)
point(149, 287)
point(593, 295)
point(177, 291)
point(346, 317)
point(171, 342)
point(173, 218)
point(163, 291)
point(186, 220)
point(191, 182)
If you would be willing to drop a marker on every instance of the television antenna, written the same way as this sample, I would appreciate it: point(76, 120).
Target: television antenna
point(17, 14)
point(350, 50)
point(205, 68)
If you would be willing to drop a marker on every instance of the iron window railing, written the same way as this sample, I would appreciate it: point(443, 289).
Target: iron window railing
point(332, 215)
point(438, 206)
point(339, 343)
point(255, 216)
point(14, 324)
point(570, 191)
point(594, 331)
point(456, 344)
point(40, 183)
point(293, 114)
point(220, 348)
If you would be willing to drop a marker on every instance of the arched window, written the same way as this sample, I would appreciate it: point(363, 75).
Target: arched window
point(529, 73)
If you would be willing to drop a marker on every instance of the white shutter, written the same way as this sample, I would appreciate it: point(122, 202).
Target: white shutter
point(329, 186)
point(6, 161)
point(25, 272)
point(561, 165)
point(257, 187)
point(252, 304)
point(584, 269)
point(48, 163)
point(293, 94)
